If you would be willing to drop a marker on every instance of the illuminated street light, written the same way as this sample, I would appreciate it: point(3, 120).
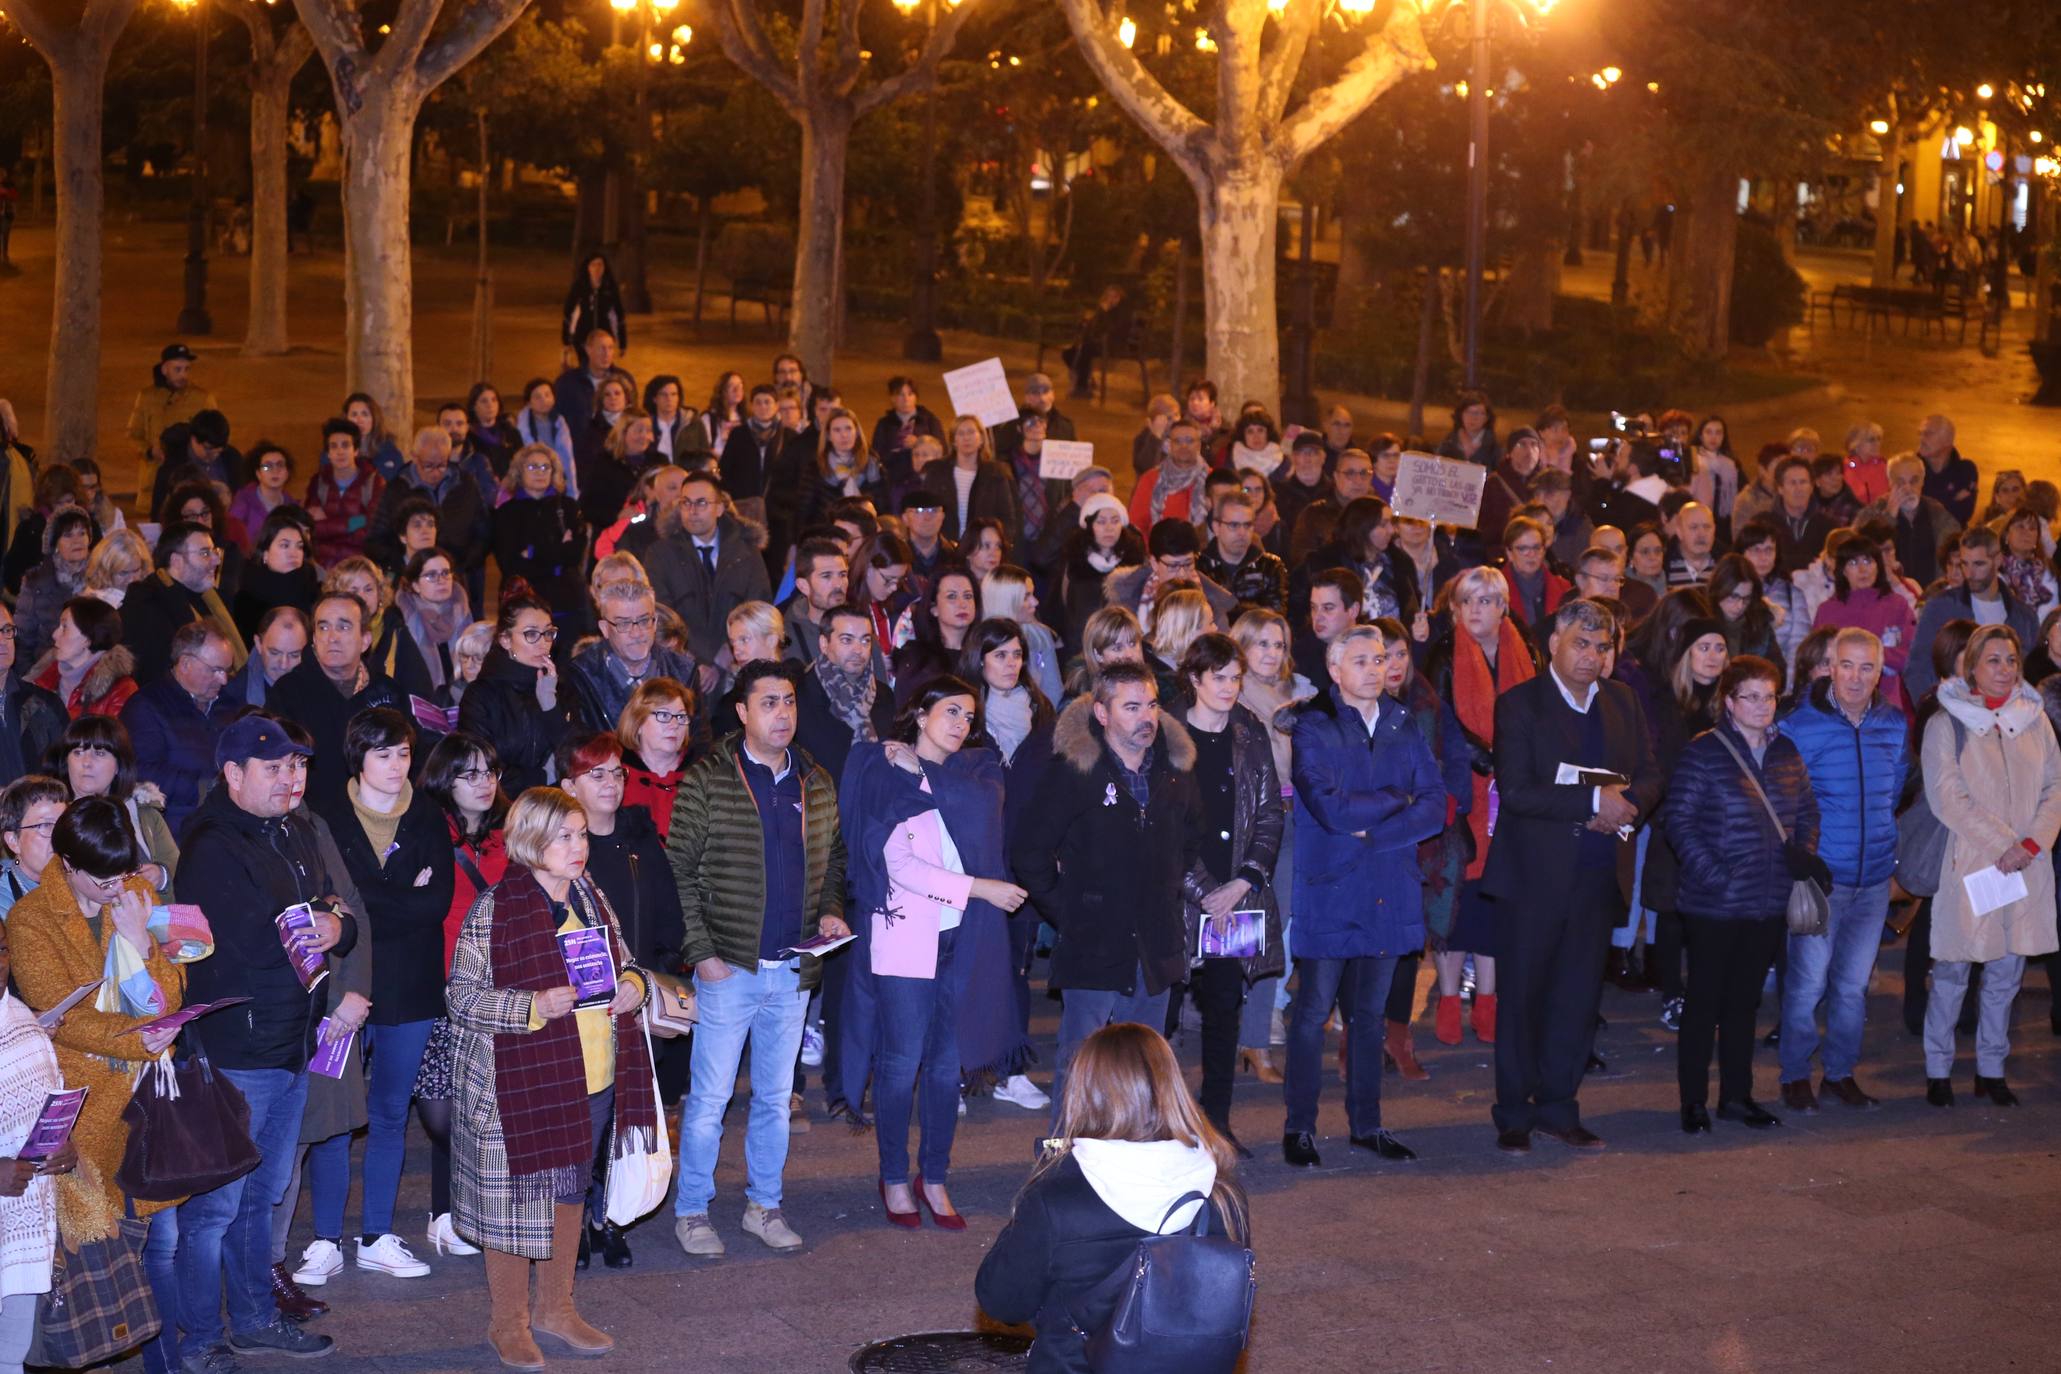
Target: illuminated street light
point(1985, 91)
point(1611, 75)
point(1964, 135)
point(1878, 126)
point(1126, 31)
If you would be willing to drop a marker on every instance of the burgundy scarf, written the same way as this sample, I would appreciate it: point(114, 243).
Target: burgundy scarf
point(540, 1080)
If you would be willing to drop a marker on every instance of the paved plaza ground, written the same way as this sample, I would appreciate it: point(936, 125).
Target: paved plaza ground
point(1906, 1239)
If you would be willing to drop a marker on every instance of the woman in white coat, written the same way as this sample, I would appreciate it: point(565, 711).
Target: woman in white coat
point(1993, 777)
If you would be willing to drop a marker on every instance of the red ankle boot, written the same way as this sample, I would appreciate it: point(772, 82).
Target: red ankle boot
point(1485, 1017)
point(1447, 1024)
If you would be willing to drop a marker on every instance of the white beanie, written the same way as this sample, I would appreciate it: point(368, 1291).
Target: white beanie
point(1099, 502)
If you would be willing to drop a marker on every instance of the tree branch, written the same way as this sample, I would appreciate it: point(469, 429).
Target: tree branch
point(923, 71)
point(851, 61)
point(482, 22)
point(808, 47)
point(1278, 67)
point(400, 48)
point(1390, 55)
point(1237, 30)
point(745, 43)
point(61, 39)
point(1169, 123)
point(334, 26)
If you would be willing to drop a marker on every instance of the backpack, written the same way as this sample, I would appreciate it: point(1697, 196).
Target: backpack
point(1182, 1303)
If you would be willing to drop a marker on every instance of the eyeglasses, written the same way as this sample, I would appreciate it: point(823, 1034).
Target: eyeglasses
point(7, 631)
point(1224, 524)
point(435, 575)
point(272, 465)
point(1356, 474)
point(640, 622)
point(606, 773)
point(537, 467)
point(472, 777)
point(663, 717)
point(1755, 698)
point(1177, 565)
point(221, 670)
point(45, 826)
point(1528, 549)
point(534, 635)
point(698, 502)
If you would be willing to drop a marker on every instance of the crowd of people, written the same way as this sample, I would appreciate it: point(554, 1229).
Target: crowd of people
point(849, 730)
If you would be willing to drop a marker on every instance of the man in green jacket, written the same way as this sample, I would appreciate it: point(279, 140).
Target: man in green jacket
point(759, 861)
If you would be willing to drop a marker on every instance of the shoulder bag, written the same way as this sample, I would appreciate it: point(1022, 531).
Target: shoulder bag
point(1921, 837)
point(1183, 1303)
point(1810, 908)
point(640, 1174)
point(189, 1130)
point(99, 1305)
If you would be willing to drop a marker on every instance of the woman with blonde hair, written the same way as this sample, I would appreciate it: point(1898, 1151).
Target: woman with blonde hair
point(1111, 635)
point(1009, 593)
point(1132, 1146)
point(1180, 616)
point(538, 533)
point(972, 484)
point(117, 562)
point(541, 1086)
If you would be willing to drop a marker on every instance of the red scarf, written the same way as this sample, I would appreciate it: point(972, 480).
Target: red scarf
point(1475, 691)
point(540, 1079)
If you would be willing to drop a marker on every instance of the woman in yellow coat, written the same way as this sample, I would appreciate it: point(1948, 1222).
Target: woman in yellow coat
point(88, 904)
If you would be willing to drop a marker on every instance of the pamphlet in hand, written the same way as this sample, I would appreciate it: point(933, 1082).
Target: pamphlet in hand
point(589, 964)
point(1240, 935)
point(53, 1124)
point(1578, 775)
point(174, 1020)
point(1990, 888)
point(438, 720)
point(818, 947)
point(49, 1020)
point(297, 932)
point(330, 1056)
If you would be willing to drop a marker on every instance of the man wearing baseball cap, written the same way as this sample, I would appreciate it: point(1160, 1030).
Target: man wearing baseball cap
point(247, 857)
point(172, 397)
point(923, 516)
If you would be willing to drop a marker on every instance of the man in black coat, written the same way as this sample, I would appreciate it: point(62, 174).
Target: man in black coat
point(1552, 870)
point(247, 857)
point(708, 567)
point(1112, 840)
point(1801, 528)
point(32, 718)
point(464, 529)
point(181, 591)
point(334, 682)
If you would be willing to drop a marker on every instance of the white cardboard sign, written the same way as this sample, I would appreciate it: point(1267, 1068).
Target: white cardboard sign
point(1062, 460)
point(982, 390)
point(1441, 490)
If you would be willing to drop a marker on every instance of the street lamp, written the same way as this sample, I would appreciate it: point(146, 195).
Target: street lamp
point(1476, 90)
point(922, 344)
point(625, 237)
point(193, 316)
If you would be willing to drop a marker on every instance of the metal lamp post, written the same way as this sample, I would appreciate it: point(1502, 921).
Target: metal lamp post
point(193, 316)
point(1477, 163)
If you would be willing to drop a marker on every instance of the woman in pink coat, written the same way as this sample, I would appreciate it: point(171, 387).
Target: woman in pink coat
point(1863, 597)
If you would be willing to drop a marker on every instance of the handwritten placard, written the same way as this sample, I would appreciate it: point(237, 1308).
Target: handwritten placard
point(982, 390)
point(1440, 490)
point(1062, 460)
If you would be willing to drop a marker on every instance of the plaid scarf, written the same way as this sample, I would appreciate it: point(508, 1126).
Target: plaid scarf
point(540, 1079)
point(850, 702)
point(1030, 495)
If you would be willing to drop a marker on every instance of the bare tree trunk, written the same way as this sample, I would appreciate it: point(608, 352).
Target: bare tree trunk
point(1534, 277)
point(71, 413)
point(1240, 228)
point(483, 283)
point(1701, 265)
point(379, 352)
point(1427, 339)
point(274, 64)
point(812, 320)
point(1882, 271)
point(701, 256)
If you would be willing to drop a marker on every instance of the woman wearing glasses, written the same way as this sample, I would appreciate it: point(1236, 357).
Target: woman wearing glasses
point(97, 759)
point(94, 910)
point(435, 609)
point(517, 702)
point(538, 534)
point(463, 776)
point(654, 734)
point(1733, 885)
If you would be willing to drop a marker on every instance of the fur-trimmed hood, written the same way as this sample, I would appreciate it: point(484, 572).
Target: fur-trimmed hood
point(114, 665)
point(734, 525)
point(1078, 740)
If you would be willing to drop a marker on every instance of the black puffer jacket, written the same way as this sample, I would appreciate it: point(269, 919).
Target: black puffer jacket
point(1732, 864)
point(307, 696)
point(243, 870)
point(406, 919)
point(629, 866)
point(502, 706)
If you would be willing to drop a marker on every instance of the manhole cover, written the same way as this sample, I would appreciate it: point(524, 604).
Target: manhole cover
point(943, 1352)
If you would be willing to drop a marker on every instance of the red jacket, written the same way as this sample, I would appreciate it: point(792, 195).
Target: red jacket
point(488, 860)
point(1867, 478)
point(652, 791)
point(346, 512)
point(105, 689)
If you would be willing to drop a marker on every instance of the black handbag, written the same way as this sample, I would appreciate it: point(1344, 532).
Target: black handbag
point(189, 1130)
point(1182, 1303)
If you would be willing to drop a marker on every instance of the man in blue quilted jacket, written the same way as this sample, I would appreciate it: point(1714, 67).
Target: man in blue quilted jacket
point(1855, 746)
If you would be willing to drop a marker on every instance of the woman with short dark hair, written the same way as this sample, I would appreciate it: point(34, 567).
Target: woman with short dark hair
point(87, 665)
point(96, 758)
point(1863, 598)
point(1737, 864)
point(281, 571)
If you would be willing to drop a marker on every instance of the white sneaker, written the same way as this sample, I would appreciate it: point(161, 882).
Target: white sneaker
point(320, 1262)
point(444, 1238)
point(812, 1047)
point(390, 1255)
point(1019, 1091)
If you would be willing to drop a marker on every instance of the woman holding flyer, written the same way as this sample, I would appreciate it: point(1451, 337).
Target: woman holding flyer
point(84, 923)
point(28, 1210)
point(541, 1081)
point(1234, 921)
point(931, 916)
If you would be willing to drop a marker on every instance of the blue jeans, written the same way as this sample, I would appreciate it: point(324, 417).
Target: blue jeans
point(918, 1030)
point(393, 1054)
point(1833, 967)
point(328, 1174)
point(160, 1271)
point(232, 1226)
point(1362, 985)
point(1083, 1011)
point(766, 1006)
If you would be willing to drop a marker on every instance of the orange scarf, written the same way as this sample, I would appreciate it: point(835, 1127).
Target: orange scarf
point(1475, 691)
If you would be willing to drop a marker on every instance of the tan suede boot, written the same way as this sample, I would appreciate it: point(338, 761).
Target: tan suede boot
point(508, 1328)
point(555, 1315)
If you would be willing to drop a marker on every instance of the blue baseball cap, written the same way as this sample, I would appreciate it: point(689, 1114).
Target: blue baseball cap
point(256, 737)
